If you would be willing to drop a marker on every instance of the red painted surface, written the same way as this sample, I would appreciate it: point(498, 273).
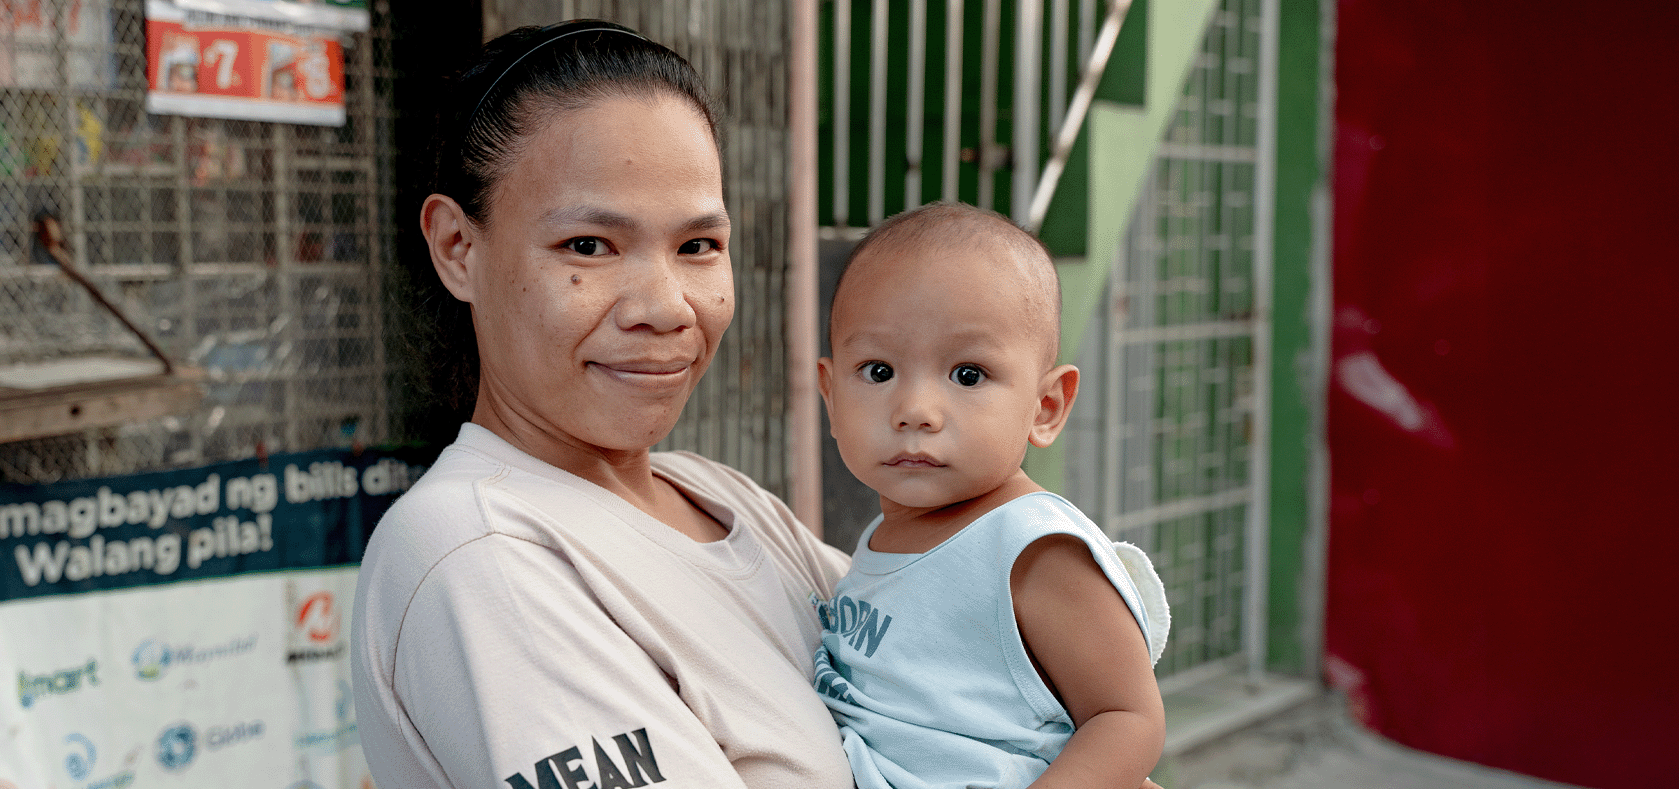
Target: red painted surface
point(1502, 582)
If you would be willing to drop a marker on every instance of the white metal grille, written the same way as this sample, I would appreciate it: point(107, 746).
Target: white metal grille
point(1165, 454)
point(255, 251)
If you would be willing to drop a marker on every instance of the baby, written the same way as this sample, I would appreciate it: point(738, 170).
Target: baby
point(987, 634)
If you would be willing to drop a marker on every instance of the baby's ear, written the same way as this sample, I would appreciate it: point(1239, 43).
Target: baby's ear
point(825, 383)
point(1056, 393)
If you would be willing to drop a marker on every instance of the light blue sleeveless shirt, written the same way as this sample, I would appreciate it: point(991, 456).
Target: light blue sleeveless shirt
point(923, 667)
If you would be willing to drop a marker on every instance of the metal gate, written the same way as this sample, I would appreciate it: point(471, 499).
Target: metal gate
point(1172, 458)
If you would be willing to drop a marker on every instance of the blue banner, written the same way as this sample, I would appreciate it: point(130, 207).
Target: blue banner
point(291, 511)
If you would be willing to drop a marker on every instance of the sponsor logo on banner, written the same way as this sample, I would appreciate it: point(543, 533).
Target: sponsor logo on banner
point(31, 687)
point(225, 736)
point(176, 746)
point(179, 743)
point(343, 735)
point(153, 658)
point(79, 764)
point(83, 757)
point(315, 625)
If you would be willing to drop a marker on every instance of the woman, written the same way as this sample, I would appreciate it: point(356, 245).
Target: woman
point(553, 604)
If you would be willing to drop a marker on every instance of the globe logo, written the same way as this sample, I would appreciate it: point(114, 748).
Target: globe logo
point(151, 659)
point(176, 746)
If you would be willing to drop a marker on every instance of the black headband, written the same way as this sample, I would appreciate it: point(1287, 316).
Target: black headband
point(554, 32)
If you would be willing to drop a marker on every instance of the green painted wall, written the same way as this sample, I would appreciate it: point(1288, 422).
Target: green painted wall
point(1297, 337)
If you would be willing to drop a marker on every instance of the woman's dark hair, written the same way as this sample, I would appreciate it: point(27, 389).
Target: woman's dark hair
point(526, 75)
point(517, 82)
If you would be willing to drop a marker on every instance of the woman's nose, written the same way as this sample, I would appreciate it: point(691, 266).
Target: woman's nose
point(656, 297)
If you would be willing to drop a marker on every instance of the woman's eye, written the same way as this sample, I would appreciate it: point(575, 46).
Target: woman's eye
point(877, 372)
point(967, 375)
point(695, 246)
point(588, 246)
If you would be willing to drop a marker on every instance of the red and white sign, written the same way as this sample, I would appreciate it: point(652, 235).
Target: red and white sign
point(214, 66)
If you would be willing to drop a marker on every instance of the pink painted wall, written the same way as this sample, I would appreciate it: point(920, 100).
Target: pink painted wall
point(1504, 404)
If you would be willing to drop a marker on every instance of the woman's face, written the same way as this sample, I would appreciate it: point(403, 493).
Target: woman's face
point(600, 282)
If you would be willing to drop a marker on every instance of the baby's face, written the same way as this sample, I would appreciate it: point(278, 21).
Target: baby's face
point(938, 368)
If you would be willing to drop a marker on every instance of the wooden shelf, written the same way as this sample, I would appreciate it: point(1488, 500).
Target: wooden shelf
point(70, 395)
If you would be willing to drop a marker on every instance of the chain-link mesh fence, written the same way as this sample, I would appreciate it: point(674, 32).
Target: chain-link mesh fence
point(253, 251)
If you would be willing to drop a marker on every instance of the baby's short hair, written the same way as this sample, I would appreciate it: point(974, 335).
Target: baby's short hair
point(950, 223)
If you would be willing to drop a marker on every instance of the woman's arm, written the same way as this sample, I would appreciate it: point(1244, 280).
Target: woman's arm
point(1091, 652)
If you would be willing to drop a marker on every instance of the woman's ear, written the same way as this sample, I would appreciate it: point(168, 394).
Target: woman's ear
point(449, 236)
point(1056, 393)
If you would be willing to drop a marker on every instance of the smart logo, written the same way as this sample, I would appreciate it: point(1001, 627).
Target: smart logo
point(30, 687)
point(82, 755)
point(176, 747)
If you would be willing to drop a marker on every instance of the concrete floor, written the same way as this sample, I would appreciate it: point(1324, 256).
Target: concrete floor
point(1314, 745)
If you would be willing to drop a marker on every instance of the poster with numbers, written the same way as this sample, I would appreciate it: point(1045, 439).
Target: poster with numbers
point(188, 628)
point(213, 65)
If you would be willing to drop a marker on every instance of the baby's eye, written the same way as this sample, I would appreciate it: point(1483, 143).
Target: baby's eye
point(877, 372)
point(967, 375)
point(588, 246)
point(695, 246)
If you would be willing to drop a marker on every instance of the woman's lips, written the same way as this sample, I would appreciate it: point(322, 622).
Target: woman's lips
point(645, 371)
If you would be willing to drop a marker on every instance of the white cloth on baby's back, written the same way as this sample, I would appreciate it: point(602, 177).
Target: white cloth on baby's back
point(923, 666)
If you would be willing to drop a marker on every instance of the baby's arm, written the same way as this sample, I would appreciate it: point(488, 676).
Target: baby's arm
point(1089, 649)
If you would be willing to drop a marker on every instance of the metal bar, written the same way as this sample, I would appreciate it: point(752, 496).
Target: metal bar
point(917, 109)
point(878, 41)
point(1080, 107)
point(1058, 17)
point(1206, 330)
point(1028, 62)
point(842, 112)
point(1180, 508)
point(1265, 179)
point(952, 99)
point(1087, 29)
point(1195, 675)
point(1235, 154)
point(1118, 432)
point(991, 32)
point(804, 439)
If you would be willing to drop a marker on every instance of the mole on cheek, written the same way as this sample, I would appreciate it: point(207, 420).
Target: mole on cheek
point(576, 279)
